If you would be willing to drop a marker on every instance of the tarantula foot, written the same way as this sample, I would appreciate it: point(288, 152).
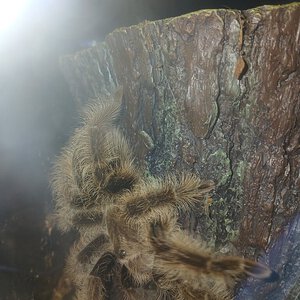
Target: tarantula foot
point(206, 186)
point(273, 277)
point(260, 271)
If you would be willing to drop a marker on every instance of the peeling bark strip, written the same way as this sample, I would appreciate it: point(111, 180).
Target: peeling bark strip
point(216, 91)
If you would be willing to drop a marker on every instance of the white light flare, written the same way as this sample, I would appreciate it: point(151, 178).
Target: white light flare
point(10, 10)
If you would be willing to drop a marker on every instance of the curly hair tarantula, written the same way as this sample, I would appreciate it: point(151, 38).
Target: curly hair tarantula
point(130, 244)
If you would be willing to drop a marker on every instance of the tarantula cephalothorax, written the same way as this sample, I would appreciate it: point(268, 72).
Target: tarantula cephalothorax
point(130, 244)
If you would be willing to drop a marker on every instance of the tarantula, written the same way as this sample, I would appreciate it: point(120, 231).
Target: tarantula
point(130, 244)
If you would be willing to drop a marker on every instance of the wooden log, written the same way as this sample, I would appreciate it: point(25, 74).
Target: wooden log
point(215, 92)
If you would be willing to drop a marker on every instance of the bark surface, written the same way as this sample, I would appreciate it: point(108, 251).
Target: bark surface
point(215, 92)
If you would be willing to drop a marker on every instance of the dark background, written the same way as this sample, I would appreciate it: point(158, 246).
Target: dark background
point(37, 116)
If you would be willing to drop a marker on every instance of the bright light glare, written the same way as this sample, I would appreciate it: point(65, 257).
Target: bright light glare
point(9, 11)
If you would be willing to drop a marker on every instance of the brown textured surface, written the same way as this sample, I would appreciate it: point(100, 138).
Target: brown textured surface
point(271, 111)
point(215, 92)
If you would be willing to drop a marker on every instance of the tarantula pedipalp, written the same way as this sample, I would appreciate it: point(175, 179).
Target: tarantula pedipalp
point(130, 241)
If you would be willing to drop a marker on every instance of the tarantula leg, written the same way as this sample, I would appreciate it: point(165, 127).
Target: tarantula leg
point(87, 219)
point(236, 266)
point(114, 172)
point(98, 143)
point(159, 198)
point(85, 254)
point(181, 257)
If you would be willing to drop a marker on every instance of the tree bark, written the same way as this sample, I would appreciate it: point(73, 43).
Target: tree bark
point(215, 92)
